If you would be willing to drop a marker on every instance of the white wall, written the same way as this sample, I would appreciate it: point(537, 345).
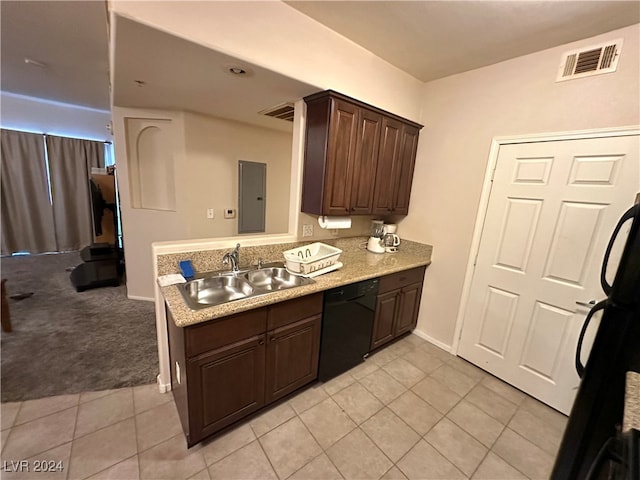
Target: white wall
point(18, 112)
point(462, 114)
point(213, 148)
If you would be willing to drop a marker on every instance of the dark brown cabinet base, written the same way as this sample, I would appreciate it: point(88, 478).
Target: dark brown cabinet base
point(230, 383)
point(228, 368)
point(383, 325)
point(292, 357)
point(397, 305)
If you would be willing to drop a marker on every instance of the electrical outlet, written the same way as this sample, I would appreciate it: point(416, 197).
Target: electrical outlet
point(229, 213)
point(210, 213)
point(307, 230)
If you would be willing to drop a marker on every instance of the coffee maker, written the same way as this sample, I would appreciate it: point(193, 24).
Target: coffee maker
point(390, 240)
point(375, 243)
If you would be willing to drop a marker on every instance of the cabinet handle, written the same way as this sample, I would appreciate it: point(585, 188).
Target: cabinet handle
point(273, 339)
point(261, 342)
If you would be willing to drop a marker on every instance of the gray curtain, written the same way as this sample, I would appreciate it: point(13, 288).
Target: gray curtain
point(26, 213)
point(70, 163)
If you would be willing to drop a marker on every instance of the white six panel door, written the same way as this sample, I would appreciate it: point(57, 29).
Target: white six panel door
point(552, 209)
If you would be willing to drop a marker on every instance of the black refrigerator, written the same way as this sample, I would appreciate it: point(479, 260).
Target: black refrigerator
point(593, 446)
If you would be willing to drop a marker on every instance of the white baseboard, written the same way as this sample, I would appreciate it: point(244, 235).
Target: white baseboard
point(437, 343)
point(135, 297)
point(163, 387)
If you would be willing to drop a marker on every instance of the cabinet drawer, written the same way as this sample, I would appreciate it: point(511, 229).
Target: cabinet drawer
point(401, 279)
point(227, 330)
point(284, 313)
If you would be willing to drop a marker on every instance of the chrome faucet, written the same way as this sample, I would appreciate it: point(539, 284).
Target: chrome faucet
point(232, 258)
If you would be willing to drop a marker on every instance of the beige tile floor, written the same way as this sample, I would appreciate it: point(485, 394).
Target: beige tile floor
point(411, 411)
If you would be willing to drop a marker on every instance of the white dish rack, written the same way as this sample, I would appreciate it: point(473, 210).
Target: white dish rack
point(311, 258)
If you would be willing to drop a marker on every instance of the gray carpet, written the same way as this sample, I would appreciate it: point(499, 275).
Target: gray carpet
point(64, 341)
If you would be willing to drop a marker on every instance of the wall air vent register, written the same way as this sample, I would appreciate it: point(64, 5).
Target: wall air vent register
point(594, 60)
point(283, 112)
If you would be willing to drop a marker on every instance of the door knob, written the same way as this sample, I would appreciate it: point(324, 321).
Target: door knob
point(588, 304)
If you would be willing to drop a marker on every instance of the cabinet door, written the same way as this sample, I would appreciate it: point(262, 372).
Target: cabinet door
point(404, 174)
point(340, 161)
point(408, 308)
point(383, 324)
point(366, 159)
point(292, 357)
point(385, 182)
point(225, 385)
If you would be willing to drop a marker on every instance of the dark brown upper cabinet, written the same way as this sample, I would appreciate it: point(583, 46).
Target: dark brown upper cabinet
point(396, 162)
point(358, 159)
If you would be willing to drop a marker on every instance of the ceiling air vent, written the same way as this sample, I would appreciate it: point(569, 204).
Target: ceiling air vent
point(590, 61)
point(283, 112)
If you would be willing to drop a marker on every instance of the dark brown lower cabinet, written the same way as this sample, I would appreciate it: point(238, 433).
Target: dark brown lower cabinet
point(292, 357)
point(225, 369)
point(226, 384)
point(397, 305)
point(383, 325)
point(408, 308)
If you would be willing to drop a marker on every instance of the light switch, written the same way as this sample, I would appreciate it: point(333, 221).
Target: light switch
point(210, 213)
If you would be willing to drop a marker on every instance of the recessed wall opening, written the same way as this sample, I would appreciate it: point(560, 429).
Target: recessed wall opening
point(151, 167)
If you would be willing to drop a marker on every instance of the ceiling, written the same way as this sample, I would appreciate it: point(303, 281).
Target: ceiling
point(68, 39)
point(427, 39)
point(435, 39)
point(183, 75)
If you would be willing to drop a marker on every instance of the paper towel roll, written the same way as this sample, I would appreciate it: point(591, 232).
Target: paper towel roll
point(334, 222)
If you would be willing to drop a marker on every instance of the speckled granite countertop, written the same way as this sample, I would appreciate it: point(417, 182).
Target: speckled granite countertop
point(359, 264)
point(632, 402)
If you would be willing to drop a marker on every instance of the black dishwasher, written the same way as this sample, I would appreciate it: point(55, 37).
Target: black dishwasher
point(347, 324)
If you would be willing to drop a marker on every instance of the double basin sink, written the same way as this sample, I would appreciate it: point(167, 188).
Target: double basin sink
point(216, 288)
